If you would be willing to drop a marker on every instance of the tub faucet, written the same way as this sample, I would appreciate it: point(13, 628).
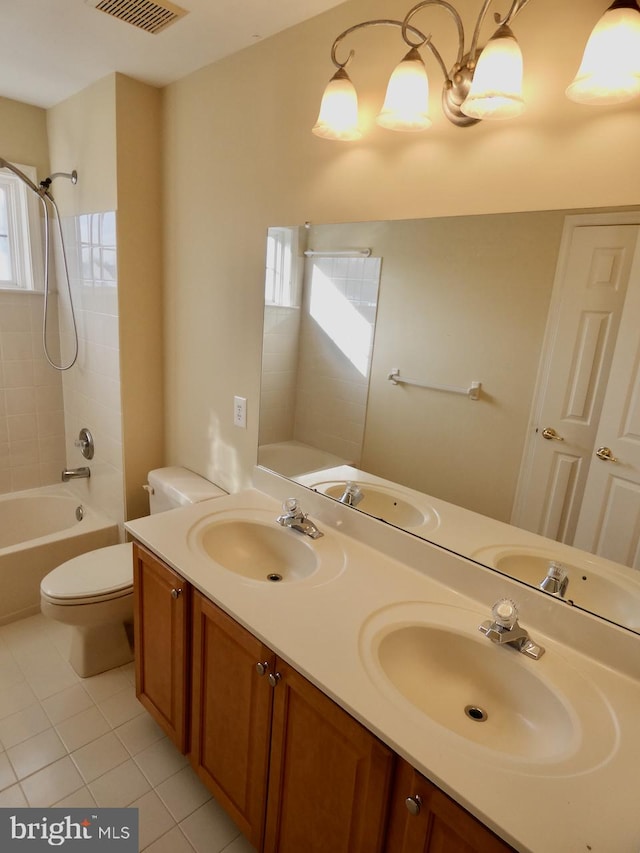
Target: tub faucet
point(505, 630)
point(352, 494)
point(75, 473)
point(293, 517)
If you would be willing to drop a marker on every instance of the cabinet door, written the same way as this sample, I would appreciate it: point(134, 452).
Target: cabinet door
point(161, 600)
point(329, 777)
point(424, 820)
point(231, 715)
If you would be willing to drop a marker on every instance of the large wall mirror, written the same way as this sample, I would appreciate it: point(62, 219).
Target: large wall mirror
point(454, 377)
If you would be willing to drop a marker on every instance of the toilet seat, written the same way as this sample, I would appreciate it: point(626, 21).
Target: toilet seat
point(100, 575)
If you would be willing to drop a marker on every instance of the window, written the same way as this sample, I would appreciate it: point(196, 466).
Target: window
point(19, 231)
point(282, 268)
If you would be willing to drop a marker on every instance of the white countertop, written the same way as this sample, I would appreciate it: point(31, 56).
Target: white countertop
point(584, 803)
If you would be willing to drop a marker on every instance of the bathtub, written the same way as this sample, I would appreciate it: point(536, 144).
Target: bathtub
point(38, 531)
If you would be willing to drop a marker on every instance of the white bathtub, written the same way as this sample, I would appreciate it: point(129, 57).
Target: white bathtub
point(38, 531)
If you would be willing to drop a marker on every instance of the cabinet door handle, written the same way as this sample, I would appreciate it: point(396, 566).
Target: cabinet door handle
point(414, 804)
point(176, 593)
point(274, 678)
point(262, 667)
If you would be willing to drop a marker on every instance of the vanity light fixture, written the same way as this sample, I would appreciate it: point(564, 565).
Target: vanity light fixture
point(483, 83)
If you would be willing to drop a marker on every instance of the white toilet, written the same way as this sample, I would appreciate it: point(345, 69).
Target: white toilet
point(93, 593)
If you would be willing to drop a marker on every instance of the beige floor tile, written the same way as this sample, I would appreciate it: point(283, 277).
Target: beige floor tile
point(80, 799)
point(209, 828)
point(7, 773)
point(139, 733)
point(98, 757)
point(23, 725)
point(121, 707)
point(183, 793)
point(15, 698)
point(82, 728)
point(240, 845)
point(13, 798)
point(154, 818)
point(160, 761)
point(53, 783)
point(35, 753)
point(172, 842)
point(120, 786)
point(66, 703)
point(100, 687)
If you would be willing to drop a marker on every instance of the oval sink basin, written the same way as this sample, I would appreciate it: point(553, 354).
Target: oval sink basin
point(383, 503)
point(533, 712)
point(604, 591)
point(258, 549)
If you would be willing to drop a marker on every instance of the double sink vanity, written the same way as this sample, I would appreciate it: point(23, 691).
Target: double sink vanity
point(355, 692)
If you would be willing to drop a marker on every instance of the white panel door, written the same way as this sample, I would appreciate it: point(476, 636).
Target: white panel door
point(591, 285)
point(610, 517)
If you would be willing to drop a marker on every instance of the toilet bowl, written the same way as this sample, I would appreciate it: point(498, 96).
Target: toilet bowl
point(93, 593)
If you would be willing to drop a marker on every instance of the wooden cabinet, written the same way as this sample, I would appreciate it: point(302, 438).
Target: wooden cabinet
point(329, 776)
point(231, 715)
point(161, 603)
point(271, 746)
point(424, 820)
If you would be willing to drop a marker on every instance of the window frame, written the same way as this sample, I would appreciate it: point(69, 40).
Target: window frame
point(24, 231)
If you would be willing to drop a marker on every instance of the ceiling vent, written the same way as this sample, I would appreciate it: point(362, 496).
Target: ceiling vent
point(144, 14)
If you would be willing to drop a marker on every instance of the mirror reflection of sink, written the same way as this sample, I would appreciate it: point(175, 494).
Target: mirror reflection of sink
point(381, 502)
point(608, 593)
point(254, 546)
point(537, 713)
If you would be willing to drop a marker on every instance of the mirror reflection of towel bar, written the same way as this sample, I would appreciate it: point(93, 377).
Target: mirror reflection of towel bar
point(472, 392)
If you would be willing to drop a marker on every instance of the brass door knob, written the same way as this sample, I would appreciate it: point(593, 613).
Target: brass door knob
point(605, 454)
point(551, 435)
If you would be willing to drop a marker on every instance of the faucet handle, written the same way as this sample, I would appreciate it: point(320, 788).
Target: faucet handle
point(505, 613)
point(290, 506)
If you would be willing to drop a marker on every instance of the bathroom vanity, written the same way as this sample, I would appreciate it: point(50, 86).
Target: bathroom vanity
point(321, 708)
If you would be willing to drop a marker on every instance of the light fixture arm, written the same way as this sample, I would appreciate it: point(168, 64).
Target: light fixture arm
point(516, 6)
point(425, 41)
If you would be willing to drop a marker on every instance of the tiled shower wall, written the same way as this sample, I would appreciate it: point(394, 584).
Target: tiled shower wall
point(92, 386)
point(32, 445)
point(43, 410)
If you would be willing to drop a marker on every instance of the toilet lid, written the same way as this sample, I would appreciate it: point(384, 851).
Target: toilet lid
point(102, 572)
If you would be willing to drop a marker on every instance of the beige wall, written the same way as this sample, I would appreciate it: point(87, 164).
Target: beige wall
point(138, 122)
point(23, 135)
point(240, 156)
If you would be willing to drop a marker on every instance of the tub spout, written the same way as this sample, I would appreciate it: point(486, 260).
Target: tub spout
point(75, 473)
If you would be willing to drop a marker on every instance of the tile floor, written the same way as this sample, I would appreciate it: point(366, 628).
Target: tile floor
point(67, 741)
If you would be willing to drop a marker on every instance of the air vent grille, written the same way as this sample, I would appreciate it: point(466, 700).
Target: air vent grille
point(147, 16)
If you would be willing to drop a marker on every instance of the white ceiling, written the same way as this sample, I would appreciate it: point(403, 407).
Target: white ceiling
point(51, 49)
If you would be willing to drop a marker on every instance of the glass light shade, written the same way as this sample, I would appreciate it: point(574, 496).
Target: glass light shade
point(338, 117)
point(406, 104)
point(496, 88)
point(610, 69)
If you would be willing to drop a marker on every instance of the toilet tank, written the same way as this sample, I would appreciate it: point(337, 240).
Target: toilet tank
point(174, 487)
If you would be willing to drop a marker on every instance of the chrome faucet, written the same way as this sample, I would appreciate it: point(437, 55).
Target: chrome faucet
point(505, 630)
point(556, 580)
point(75, 473)
point(293, 517)
point(352, 494)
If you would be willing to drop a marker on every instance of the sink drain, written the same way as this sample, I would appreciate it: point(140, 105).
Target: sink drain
point(478, 715)
point(274, 577)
